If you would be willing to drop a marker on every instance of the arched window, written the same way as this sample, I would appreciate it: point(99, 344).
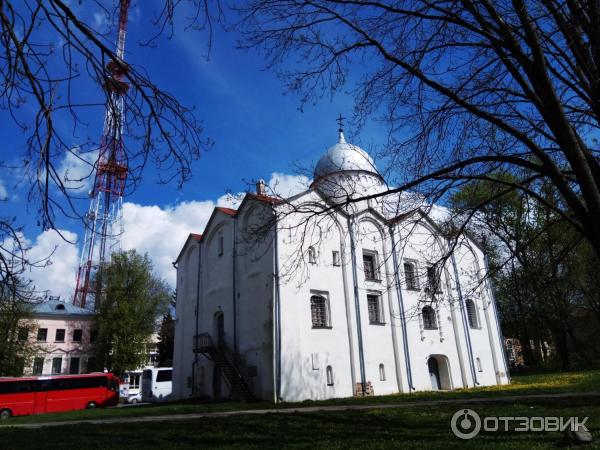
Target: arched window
point(478, 363)
point(312, 255)
point(429, 320)
point(329, 372)
point(318, 311)
point(410, 276)
point(381, 372)
point(472, 313)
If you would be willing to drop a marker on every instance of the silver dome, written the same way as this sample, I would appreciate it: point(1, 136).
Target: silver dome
point(344, 157)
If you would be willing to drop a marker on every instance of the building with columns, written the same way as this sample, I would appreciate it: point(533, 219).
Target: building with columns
point(334, 292)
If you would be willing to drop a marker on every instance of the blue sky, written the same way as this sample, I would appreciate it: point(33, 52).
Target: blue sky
point(257, 129)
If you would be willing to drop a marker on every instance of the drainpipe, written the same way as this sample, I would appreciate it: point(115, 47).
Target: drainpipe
point(348, 315)
point(401, 310)
point(234, 292)
point(277, 319)
point(495, 306)
point(195, 363)
point(361, 356)
point(464, 319)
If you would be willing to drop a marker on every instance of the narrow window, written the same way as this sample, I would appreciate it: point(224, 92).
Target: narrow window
point(472, 313)
point(433, 279)
point(374, 308)
point(221, 244)
point(318, 310)
point(23, 333)
point(329, 371)
point(74, 366)
point(42, 334)
point(77, 334)
point(336, 258)
point(56, 365)
point(60, 335)
point(381, 372)
point(429, 319)
point(38, 366)
point(370, 264)
point(312, 255)
point(93, 336)
point(478, 362)
point(410, 276)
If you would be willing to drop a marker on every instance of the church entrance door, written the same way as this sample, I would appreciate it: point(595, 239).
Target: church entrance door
point(434, 373)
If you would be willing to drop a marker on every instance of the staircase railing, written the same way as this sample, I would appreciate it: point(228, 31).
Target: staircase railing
point(235, 374)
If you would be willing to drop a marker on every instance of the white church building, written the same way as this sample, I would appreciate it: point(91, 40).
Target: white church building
point(319, 296)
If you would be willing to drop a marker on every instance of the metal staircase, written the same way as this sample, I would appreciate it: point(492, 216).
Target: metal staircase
point(218, 354)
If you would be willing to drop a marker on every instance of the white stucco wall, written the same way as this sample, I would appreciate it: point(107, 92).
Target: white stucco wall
point(306, 352)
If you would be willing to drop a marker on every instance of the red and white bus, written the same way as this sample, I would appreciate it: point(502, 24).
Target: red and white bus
point(39, 395)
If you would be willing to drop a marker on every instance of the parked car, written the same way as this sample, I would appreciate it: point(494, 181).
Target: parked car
point(134, 394)
point(157, 384)
point(134, 398)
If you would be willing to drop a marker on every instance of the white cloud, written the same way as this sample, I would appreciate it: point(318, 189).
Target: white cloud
point(100, 20)
point(58, 261)
point(3, 191)
point(285, 185)
point(76, 170)
point(160, 232)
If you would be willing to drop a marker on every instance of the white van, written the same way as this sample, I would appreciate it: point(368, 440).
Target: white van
point(157, 384)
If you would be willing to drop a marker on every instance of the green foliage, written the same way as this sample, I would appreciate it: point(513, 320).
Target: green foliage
point(543, 270)
point(133, 298)
point(166, 341)
point(15, 311)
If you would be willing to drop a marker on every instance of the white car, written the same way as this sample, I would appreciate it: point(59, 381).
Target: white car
point(134, 398)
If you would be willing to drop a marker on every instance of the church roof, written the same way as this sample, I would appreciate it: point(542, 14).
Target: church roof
point(60, 308)
point(343, 157)
point(228, 211)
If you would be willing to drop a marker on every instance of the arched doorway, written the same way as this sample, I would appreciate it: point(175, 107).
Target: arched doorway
point(434, 373)
point(439, 372)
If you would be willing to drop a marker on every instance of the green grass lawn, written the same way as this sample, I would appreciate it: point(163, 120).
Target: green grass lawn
point(529, 384)
point(410, 427)
point(414, 426)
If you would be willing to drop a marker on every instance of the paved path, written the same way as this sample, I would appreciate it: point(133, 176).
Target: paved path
point(305, 409)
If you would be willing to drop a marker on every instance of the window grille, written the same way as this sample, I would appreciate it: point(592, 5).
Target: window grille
point(410, 276)
point(472, 313)
point(318, 309)
point(374, 307)
point(369, 266)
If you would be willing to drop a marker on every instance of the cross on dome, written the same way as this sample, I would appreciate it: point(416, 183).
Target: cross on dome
point(340, 121)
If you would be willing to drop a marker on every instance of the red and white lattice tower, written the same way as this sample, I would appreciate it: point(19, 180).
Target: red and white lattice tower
point(104, 220)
